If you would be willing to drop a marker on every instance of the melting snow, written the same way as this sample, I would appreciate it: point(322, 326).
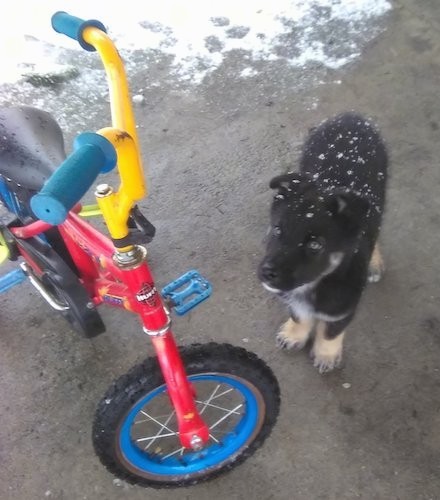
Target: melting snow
point(197, 34)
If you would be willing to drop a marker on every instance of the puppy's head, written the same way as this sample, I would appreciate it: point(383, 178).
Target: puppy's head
point(311, 231)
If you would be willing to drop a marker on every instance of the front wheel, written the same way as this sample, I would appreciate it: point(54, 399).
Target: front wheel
point(135, 428)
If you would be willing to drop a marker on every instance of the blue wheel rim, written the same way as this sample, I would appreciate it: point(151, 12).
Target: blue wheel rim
point(213, 455)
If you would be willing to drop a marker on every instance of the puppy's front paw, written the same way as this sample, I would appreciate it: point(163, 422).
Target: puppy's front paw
point(293, 336)
point(375, 273)
point(376, 269)
point(326, 362)
point(289, 344)
point(327, 353)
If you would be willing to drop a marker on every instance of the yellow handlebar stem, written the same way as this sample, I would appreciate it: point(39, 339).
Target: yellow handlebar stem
point(116, 207)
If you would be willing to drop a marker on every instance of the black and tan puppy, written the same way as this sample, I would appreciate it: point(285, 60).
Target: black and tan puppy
point(322, 242)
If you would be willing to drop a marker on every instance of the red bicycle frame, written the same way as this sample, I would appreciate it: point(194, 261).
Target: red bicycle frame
point(130, 287)
point(118, 274)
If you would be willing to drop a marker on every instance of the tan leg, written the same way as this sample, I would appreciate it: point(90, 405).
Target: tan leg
point(294, 335)
point(326, 353)
point(377, 266)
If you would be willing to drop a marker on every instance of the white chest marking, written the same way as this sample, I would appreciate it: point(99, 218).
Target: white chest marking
point(300, 301)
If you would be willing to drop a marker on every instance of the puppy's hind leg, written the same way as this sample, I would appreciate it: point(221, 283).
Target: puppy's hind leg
point(377, 266)
point(294, 333)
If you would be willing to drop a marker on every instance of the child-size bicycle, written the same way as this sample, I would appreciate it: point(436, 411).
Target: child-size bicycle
point(186, 414)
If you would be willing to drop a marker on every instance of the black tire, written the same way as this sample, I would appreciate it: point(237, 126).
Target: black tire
point(82, 314)
point(128, 393)
point(63, 284)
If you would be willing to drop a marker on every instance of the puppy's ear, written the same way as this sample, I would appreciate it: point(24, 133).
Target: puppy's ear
point(288, 181)
point(349, 208)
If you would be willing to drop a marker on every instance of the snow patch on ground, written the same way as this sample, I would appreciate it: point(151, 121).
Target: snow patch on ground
point(197, 35)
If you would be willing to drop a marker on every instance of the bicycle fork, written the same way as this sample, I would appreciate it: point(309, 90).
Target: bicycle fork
point(146, 300)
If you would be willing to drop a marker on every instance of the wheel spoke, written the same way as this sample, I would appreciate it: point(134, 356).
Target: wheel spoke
point(180, 450)
point(149, 419)
point(221, 432)
point(226, 416)
point(211, 397)
point(214, 438)
point(162, 426)
point(153, 438)
point(222, 393)
point(217, 407)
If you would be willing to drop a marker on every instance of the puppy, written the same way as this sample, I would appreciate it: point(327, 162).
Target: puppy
point(322, 241)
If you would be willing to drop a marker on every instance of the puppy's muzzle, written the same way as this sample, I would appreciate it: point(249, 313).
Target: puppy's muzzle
point(267, 272)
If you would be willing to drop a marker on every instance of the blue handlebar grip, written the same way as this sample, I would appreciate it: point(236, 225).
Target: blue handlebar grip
point(68, 184)
point(73, 27)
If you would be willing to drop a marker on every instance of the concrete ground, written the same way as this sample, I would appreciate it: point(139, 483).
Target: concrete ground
point(211, 153)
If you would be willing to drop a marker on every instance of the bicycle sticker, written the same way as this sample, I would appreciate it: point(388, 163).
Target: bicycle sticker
point(113, 300)
point(147, 294)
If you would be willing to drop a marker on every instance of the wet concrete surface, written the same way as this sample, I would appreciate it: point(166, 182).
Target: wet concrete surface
point(368, 430)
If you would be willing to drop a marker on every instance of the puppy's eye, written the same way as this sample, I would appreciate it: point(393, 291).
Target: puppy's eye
point(315, 245)
point(276, 231)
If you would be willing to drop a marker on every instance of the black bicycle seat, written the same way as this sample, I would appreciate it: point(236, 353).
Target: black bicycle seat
point(31, 146)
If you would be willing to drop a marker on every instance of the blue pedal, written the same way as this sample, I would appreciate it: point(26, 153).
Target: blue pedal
point(187, 292)
point(11, 279)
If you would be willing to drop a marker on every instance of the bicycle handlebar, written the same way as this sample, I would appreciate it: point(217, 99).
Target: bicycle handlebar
point(117, 205)
point(73, 27)
point(93, 154)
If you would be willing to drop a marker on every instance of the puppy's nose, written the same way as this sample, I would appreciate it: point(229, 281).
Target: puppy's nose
point(268, 271)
